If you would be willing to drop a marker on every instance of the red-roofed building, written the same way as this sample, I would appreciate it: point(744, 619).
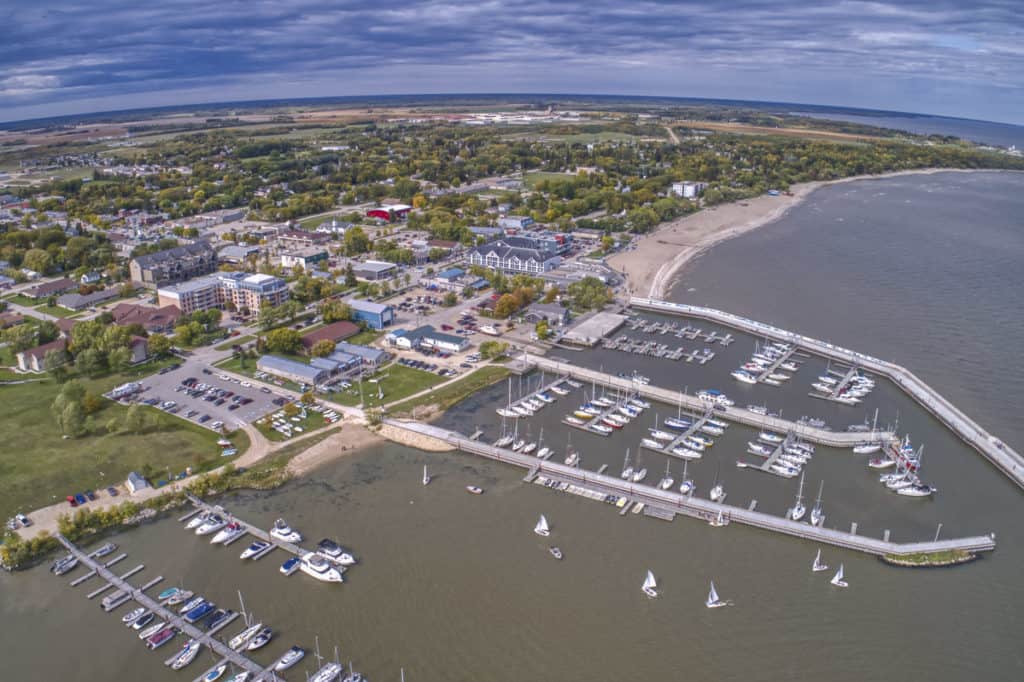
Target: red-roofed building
point(335, 332)
point(390, 212)
point(152, 319)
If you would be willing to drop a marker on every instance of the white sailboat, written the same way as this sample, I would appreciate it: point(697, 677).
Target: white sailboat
point(837, 579)
point(426, 476)
point(719, 520)
point(542, 527)
point(717, 493)
point(817, 515)
point(798, 510)
point(817, 565)
point(650, 586)
point(713, 601)
point(686, 487)
point(667, 482)
point(627, 470)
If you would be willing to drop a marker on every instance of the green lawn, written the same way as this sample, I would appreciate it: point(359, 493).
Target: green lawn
point(38, 466)
point(57, 311)
point(312, 422)
point(533, 177)
point(7, 358)
point(449, 395)
point(365, 337)
point(396, 382)
point(235, 341)
point(22, 299)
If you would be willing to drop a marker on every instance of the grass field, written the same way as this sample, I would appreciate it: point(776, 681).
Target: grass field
point(365, 337)
point(449, 395)
point(22, 299)
point(533, 177)
point(312, 422)
point(57, 311)
point(39, 467)
point(396, 382)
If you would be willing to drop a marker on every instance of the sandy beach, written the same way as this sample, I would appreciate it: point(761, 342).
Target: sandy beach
point(661, 255)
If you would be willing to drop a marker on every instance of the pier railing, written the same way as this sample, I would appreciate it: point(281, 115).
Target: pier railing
point(998, 453)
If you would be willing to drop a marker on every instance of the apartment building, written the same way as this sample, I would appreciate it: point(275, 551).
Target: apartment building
point(245, 292)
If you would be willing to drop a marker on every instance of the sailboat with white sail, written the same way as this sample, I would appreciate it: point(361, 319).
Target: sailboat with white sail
point(837, 579)
point(714, 601)
point(817, 515)
point(650, 586)
point(717, 493)
point(542, 527)
point(667, 481)
point(686, 487)
point(818, 566)
point(627, 470)
point(798, 510)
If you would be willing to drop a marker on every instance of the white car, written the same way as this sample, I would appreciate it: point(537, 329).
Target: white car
point(225, 377)
point(247, 384)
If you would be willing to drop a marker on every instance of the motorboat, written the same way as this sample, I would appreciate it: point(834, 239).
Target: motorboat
point(628, 411)
point(522, 410)
point(218, 617)
point(542, 528)
point(759, 449)
point(752, 366)
point(198, 520)
point(685, 452)
point(475, 490)
point(228, 533)
point(151, 630)
point(215, 673)
point(160, 638)
point(771, 382)
point(558, 390)
point(608, 421)
point(255, 549)
point(191, 604)
point(179, 597)
point(285, 533)
point(639, 404)
point(651, 443)
point(650, 586)
point(784, 470)
point(320, 568)
point(600, 428)
point(133, 615)
point(62, 566)
point(506, 412)
point(712, 430)
point(143, 620)
point(555, 552)
point(289, 659)
point(426, 476)
point(694, 444)
point(715, 398)
point(581, 415)
point(290, 566)
point(616, 420)
point(187, 655)
point(743, 376)
point(757, 409)
point(243, 637)
point(789, 366)
point(212, 525)
point(818, 566)
point(260, 640)
point(714, 601)
point(335, 552)
point(828, 380)
point(200, 612)
point(103, 551)
point(821, 388)
point(168, 593)
point(916, 490)
point(240, 677)
point(867, 448)
point(837, 579)
point(769, 437)
point(661, 435)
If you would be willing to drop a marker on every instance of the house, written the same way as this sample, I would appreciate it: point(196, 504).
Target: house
point(76, 301)
point(305, 257)
point(32, 360)
point(335, 331)
point(374, 270)
point(244, 292)
point(139, 347)
point(515, 222)
point(292, 370)
point(390, 212)
point(488, 233)
point(135, 483)
point(47, 289)
point(90, 278)
point(688, 190)
point(369, 357)
point(333, 227)
point(501, 255)
point(427, 337)
point(178, 264)
point(552, 313)
point(7, 282)
point(152, 319)
point(375, 315)
point(444, 244)
point(10, 319)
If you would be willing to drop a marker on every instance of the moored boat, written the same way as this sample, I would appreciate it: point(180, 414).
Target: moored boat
point(285, 533)
point(289, 659)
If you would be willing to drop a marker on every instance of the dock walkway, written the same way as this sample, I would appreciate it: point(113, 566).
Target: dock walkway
point(994, 450)
point(694, 506)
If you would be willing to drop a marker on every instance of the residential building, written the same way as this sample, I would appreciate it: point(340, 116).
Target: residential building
point(334, 227)
point(159, 320)
point(515, 222)
point(10, 319)
point(173, 265)
point(90, 278)
point(77, 301)
point(298, 238)
point(370, 357)
point(552, 313)
point(375, 315)
point(390, 212)
point(135, 483)
point(139, 347)
point(305, 257)
point(237, 253)
point(7, 282)
point(427, 337)
point(688, 190)
point(500, 255)
point(554, 242)
point(245, 292)
point(488, 233)
point(47, 289)
point(335, 331)
point(32, 360)
point(292, 370)
point(374, 270)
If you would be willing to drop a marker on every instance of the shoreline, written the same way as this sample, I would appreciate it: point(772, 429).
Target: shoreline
point(651, 268)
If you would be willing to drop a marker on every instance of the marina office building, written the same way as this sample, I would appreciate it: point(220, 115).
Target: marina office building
point(245, 292)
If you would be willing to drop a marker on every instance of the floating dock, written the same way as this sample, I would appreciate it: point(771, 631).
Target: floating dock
point(994, 450)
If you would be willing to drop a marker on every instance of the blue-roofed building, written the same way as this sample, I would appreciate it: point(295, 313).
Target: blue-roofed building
point(292, 370)
point(375, 315)
point(451, 273)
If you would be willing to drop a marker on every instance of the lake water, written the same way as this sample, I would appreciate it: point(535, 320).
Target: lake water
point(923, 270)
point(985, 132)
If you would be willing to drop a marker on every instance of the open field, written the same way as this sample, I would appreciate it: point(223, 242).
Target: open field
point(21, 299)
point(312, 422)
point(57, 311)
point(448, 395)
point(748, 129)
point(395, 381)
point(533, 177)
point(39, 467)
point(365, 337)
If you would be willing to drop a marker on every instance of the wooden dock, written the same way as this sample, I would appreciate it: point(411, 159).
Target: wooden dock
point(172, 618)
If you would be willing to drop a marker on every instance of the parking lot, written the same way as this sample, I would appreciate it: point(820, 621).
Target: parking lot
point(212, 397)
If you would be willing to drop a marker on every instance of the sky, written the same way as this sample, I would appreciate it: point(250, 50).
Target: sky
point(962, 58)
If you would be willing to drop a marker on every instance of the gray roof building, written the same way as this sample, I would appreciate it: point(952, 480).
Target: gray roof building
point(291, 370)
point(174, 265)
point(76, 301)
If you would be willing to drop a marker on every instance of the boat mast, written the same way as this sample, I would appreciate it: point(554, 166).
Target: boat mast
point(817, 504)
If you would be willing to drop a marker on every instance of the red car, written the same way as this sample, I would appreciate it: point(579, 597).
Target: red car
point(71, 500)
point(447, 327)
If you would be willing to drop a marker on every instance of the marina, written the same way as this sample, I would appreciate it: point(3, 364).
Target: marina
point(683, 445)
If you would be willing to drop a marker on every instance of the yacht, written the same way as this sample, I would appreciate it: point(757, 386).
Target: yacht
point(867, 448)
point(752, 366)
point(719, 521)
point(142, 621)
point(544, 453)
point(784, 469)
point(771, 382)
point(256, 548)
point(261, 639)
point(639, 404)
point(789, 366)
point(817, 515)
point(713, 601)
point(240, 677)
point(191, 604)
point(779, 376)
point(601, 428)
point(335, 552)
point(817, 566)
point(522, 411)
point(179, 597)
point(694, 444)
point(228, 533)
point(759, 449)
point(602, 402)
point(290, 658)
point(542, 528)
point(152, 630)
point(712, 430)
point(651, 443)
point(666, 482)
point(187, 655)
point(558, 390)
point(328, 673)
point(684, 452)
point(518, 445)
point(572, 459)
point(745, 377)
point(474, 490)
point(881, 462)
point(828, 380)
point(650, 586)
point(133, 615)
point(837, 579)
point(426, 476)
point(104, 550)
point(686, 487)
point(285, 533)
point(591, 410)
point(678, 423)
point(616, 420)
point(243, 637)
point(200, 612)
point(555, 552)
point(821, 388)
point(503, 442)
point(715, 398)
point(627, 411)
point(916, 490)
point(639, 475)
point(212, 525)
point(215, 673)
point(580, 414)
point(798, 510)
point(574, 383)
point(769, 437)
point(575, 421)
point(608, 421)
point(757, 409)
point(198, 520)
point(717, 493)
point(627, 469)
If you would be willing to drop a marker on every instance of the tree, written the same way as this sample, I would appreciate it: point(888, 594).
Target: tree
point(334, 310)
point(607, 243)
point(284, 340)
point(119, 359)
point(356, 241)
point(158, 345)
point(350, 275)
point(91, 404)
point(322, 348)
point(48, 331)
point(20, 337)
point(505, 306)
point(90, 362)
point(290, 410)
point(307, 398)
point(38, 260)
point(542, 330)
point(135, 420)
point(589, 293)
point(492, 349)
point(551, 294)
point(72, 420)
point(450, 299)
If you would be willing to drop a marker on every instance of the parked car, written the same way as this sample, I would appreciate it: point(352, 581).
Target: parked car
point(72, 501)
point(112, 491)
point(80, 498)
point(90, 494)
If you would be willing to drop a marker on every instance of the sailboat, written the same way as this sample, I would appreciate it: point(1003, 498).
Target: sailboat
point(650, 586)
point(713, 601)
point(686, 487)
point(426, 476)
point(717, 493)
point(627, 471)
point(837, 579)
point(798, 510)
point(817, 565)
point(667, 482)
point(818, 516)
point(871, 446)
point(719, 520)
point(641, 472)
point(542, 527)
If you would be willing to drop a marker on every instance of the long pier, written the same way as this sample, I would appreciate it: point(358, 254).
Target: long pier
point(741, 415)
point(694, 506)
point(170, 617)
point(994, 450)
